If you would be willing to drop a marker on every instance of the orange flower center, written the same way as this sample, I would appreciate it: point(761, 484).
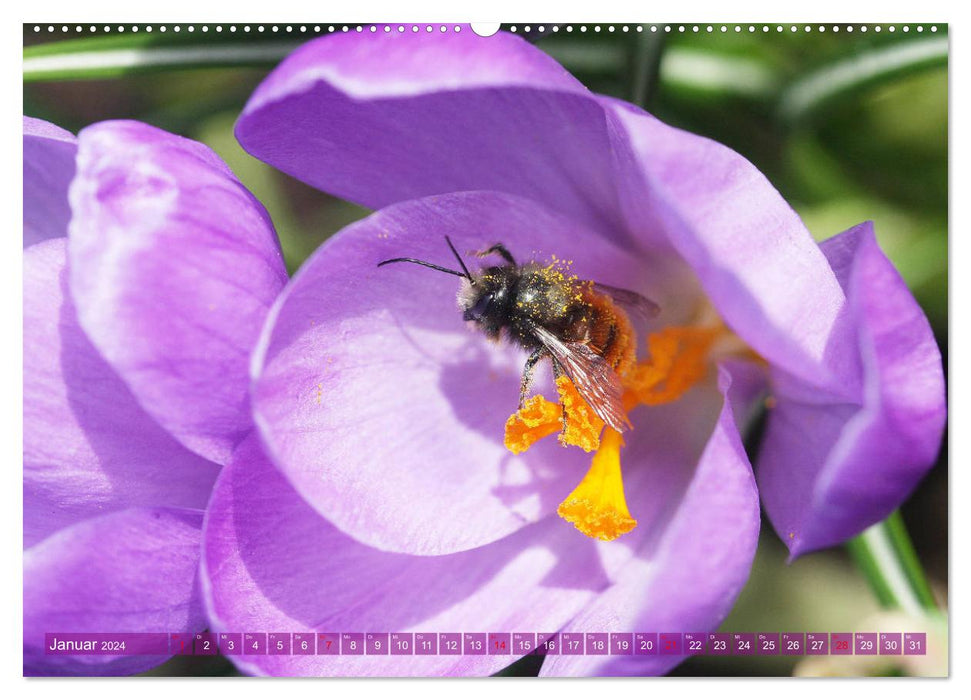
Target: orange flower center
point(679, 357)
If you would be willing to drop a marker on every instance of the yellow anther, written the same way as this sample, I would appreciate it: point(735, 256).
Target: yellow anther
point(583, 426)
point(534, 421)
point(540, 417)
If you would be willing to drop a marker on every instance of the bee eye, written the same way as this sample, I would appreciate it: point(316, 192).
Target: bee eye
point(479, 309)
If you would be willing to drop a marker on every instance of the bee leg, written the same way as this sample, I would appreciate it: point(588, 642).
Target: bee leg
point(558, 372)
point(500, 250)
point(535, 357)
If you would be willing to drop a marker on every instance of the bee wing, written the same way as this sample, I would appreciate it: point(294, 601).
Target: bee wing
point(632, 300)
point(595, 380)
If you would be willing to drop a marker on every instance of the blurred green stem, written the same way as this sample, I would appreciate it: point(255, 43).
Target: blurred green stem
point(887, 559)
point(118, 56)
point(814, 94)
point(646, 67)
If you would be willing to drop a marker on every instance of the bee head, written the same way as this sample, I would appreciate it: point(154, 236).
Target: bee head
point(485, 298)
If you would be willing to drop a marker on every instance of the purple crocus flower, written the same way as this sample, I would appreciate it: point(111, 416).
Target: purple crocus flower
point(143, 297)
point(381, 495)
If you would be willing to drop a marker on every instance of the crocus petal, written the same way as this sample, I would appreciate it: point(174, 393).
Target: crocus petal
point(467, 113)
point(174, 265)
point(387, 413)
point(828, 471)
point(88, 447)
point(382, 118)
point(130, 571)
point(49, 153)
point(271, 562)
point(759, 265)
point(686, 577)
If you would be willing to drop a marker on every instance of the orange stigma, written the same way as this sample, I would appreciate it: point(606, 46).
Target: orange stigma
point(597, 506)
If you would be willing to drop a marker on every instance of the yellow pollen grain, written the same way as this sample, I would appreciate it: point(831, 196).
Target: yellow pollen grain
point(597, 507)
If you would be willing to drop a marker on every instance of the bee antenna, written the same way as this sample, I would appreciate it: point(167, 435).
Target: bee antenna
point(458, 257)
point(425, 264)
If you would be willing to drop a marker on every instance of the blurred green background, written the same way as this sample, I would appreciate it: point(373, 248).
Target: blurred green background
point(848, 124)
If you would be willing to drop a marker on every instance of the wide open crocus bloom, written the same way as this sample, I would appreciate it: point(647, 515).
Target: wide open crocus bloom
point(143, 298)
point(383, 496)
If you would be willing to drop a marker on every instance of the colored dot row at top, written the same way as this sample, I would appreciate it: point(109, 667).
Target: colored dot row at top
point(516, 29)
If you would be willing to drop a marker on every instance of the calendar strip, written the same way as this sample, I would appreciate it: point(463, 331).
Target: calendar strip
point(514, 644)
